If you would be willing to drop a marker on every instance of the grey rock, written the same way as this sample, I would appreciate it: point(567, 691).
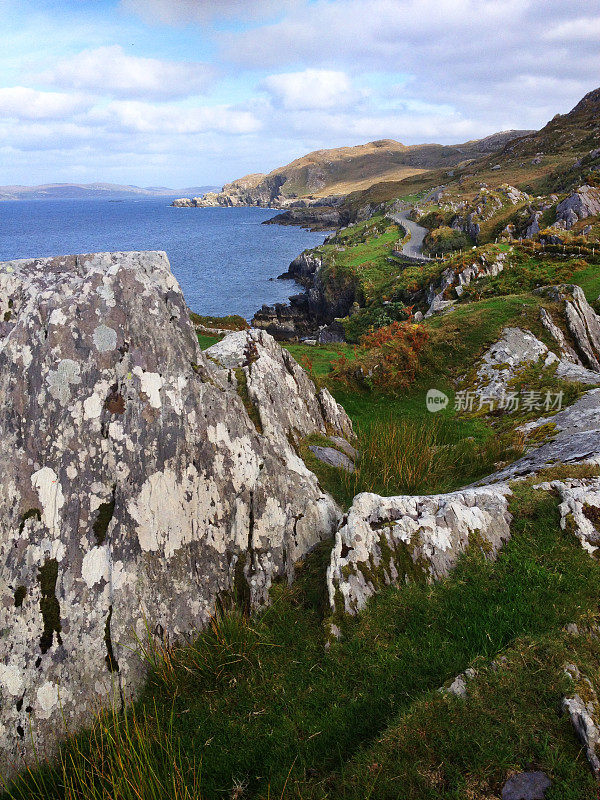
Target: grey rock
point(582, 321)
point(533, 226)
point(583, 203)
point(285, 398)
point(345, 446)
point(567, 352)
point(515, 349)
point(458, 687)
point(386, 540)
point(572, 629)
point(135, 486)
point(526, 786)
point(332, 457)
point(580, 504)
point(501, 362)
point(576, 440)
point(584, 716)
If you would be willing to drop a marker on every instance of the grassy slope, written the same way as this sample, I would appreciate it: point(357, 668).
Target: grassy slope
point(559, 143)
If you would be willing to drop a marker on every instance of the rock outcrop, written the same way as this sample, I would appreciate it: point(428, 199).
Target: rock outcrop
point(137, 484)
point(580, 509)
point(582, 321)
point(453, 281)
point(576, 440)
point(385, 540)
point(287, 405)
point(515, 349)
point(583, 203)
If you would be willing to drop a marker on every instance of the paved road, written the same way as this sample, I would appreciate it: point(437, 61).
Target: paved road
point(414, 246)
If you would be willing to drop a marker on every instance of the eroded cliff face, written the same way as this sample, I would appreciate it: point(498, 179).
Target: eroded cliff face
point(136, 487)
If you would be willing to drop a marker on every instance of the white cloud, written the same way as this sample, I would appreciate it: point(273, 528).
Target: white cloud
point(463, 53)
point(138, 117)
point(311, 88)
point(175, 12)
point(110, 70)
point(21, 102)
point(580, 29)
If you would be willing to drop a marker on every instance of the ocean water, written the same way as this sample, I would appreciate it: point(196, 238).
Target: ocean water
point(223, 258)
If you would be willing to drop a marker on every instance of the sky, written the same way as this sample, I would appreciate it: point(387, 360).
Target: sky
point(191, 92)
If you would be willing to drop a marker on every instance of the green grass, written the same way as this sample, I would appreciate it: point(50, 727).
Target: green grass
point(261, 704)
point(588, 278)
point(231, 322)
point(206, 341)
point(361, 267)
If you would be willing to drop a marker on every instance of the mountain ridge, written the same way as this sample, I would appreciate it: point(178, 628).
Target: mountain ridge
point(339, 171)
point(76, 191)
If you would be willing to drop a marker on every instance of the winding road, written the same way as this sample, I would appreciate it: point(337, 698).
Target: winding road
point(414, 247)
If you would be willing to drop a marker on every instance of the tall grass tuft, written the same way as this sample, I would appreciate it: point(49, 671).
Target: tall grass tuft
point(124, 756)
point(230, 644)
point(423, 455)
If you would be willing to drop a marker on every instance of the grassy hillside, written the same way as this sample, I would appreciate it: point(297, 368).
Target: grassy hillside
point(347, 169)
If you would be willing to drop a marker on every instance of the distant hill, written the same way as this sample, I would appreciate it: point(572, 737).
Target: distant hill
point(553, 159)
point(89, 191)
point(342, 170)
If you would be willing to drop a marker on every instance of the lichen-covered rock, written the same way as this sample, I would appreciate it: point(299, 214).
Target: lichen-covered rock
point(580, 509)
point(135, 486)
point(278, 388)
point(386, 540)
point(567, 352)
point(582, 321)
point(453, 281)
point(516, 348)
point(576, 440)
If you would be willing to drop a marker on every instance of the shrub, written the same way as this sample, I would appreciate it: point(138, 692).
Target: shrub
point(446, 240)
point(388, 358)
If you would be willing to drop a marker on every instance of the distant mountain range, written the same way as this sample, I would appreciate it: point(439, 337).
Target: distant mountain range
point(94, 191)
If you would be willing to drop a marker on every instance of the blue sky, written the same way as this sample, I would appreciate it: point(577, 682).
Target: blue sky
point(186, 92)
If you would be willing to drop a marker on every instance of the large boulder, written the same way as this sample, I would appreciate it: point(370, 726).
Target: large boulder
point(136, 488)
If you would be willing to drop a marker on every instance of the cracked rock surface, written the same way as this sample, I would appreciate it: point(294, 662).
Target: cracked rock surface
point(136, 487)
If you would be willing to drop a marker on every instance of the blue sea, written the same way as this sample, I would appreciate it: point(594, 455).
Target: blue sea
point(223, 258)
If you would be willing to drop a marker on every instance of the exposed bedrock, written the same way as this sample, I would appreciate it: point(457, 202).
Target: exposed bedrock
point(140, 480)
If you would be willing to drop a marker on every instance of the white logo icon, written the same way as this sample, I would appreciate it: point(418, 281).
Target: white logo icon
point(436, 400)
